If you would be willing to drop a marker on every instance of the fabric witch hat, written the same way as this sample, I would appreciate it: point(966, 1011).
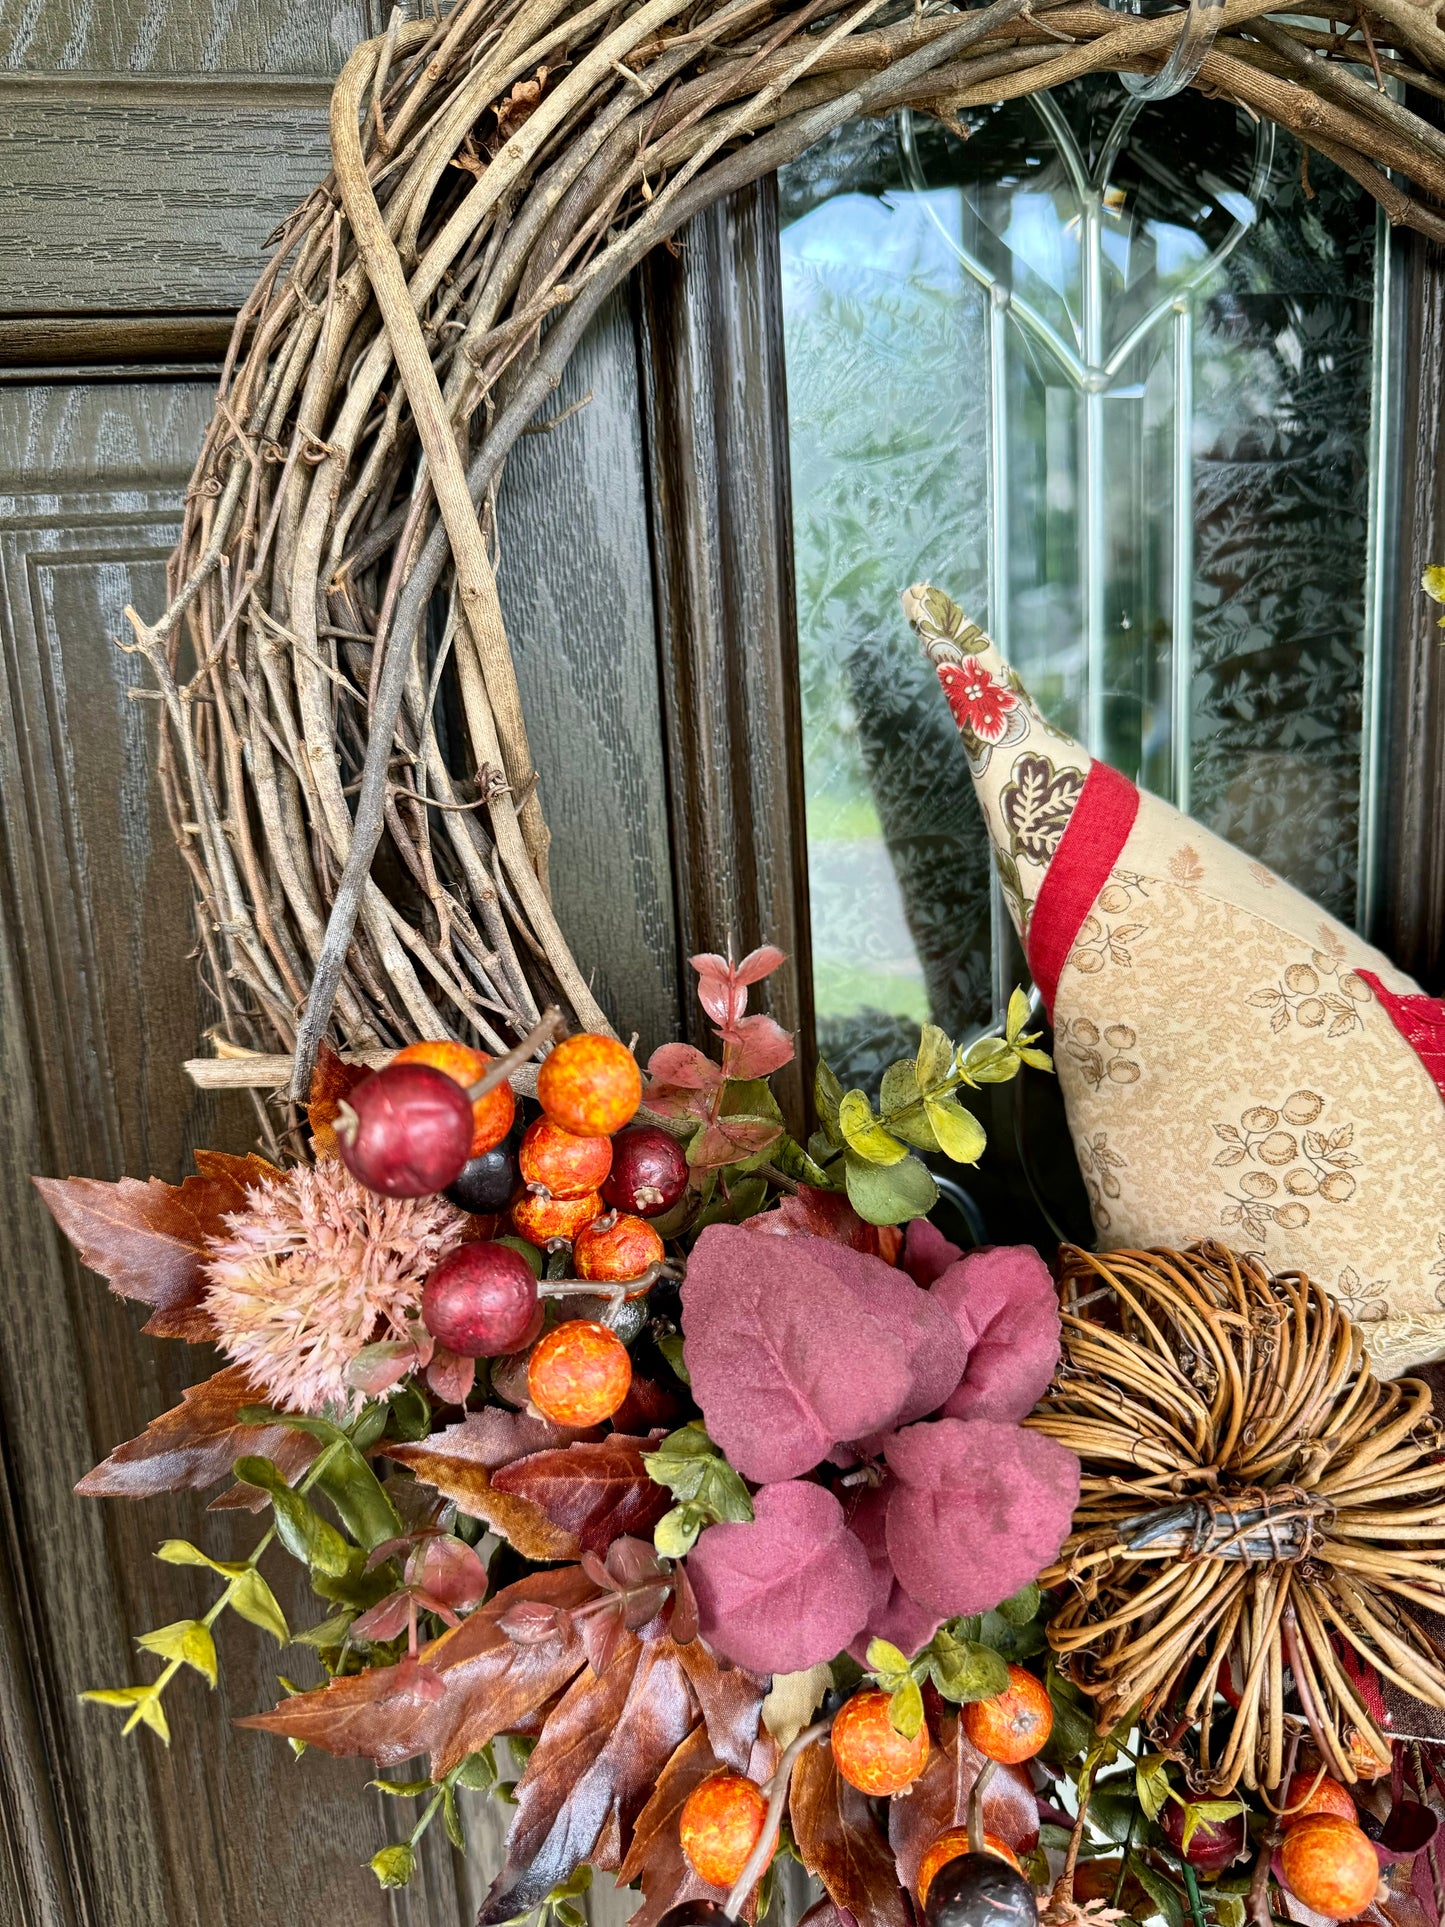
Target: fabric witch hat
point(1235, 1063)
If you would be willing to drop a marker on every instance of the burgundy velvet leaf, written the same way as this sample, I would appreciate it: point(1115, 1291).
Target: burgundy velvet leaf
point(1008, 1311)
point(490, 1684)
point(686, 1068)
point(785, 1359)
point(149, 1239)
point(926, 1254)
point(787, 1591)
point(934, 1345)
point(977, 1510)
point(757, 1047)
point(893, 1615)
point(197, 1442)
point(594, 1492)
point(592, 1771)
point(839, 1841)
point(938, 1799)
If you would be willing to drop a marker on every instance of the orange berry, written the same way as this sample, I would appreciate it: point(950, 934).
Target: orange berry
point(1330, 1865)
point(579, 1373)
point(720, 1825)
point(492, 1115)
point(617, 1251)
point(539, 1220)
point(590, 1085)
point(870, 1752)
point(1014, 1724)
point(1368, 1764)
point(948, 1846)
point(569, 1166)
point(1315, 1792)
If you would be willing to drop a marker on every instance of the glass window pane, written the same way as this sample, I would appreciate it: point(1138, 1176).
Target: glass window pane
point(1105, 372)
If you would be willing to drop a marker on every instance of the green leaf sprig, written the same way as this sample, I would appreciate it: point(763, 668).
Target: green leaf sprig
point(395, 1865)
point(705, 1485)
point(918, 1110)
point(961, 1659)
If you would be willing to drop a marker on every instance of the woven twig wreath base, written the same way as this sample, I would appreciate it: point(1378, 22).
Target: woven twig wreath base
point(496, 174)
point(1259, 1513)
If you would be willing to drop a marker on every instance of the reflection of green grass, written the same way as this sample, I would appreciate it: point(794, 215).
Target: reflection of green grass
point(842, 819)
point(841, 989)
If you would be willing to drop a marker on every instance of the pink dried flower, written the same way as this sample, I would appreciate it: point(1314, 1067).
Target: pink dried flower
point(315, 1269)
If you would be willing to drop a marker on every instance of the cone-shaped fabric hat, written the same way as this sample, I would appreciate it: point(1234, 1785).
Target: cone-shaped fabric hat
point(1236, 1064)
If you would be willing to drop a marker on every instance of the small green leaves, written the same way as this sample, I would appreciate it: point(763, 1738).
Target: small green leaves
point(934, 1063)
point(963, 1669)
point(254, 1600)
point(1433, 583)
point(1022, 1607)
point(890, 1668)
point(144, 1702)
point(394, 1866)
point(299, 1527)
point(959, 1133)
point(670, 1345)
point(889, 1194)
point(188, 1640)
point(864, 1135)
point(180, 1552)
point(695, 1473)
point(828, 1096)
point(1151, 1783)
point(1204, 1813)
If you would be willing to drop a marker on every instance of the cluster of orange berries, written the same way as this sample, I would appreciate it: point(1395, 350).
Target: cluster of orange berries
point(722, 1819)
point(579, 1178)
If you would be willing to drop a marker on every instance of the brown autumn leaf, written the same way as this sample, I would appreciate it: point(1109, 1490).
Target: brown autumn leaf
point(594, 1492)
point(490, 1685)
point(839, 1842)
point(938, 1799)
point(197, 1442)
point(730, 1700)
point(331, 1083)
point(148, 1239)
point(592, 1771)
point(459, 1462)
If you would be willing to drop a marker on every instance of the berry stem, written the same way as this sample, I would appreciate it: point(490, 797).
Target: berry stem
point(975, 1805)
point(777, 1799)
point(501, 1068)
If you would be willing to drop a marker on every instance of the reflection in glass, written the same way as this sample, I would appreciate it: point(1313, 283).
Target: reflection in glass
point(1105, 371)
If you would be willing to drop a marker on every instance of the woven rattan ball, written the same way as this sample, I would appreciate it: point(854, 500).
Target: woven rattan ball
point(1258, 1511)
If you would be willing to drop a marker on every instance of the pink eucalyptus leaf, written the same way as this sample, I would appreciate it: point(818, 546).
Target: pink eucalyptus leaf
point(672, 1100)
point(785, 1361)
point(451, 1377)
point(531, 1621)
point(429, 1602)
point(757, 1047)
point(927, 1254)
point(448, 1569)
point(413, 1682)
point(977, 1510)
point(893, 1615)
point(386, 1620)
point(787, 1591)
point(728, 1140)
point(760, 963)
point(1005, 1304)
point(718, 989)
point(681, 1065)
point(376, 1368)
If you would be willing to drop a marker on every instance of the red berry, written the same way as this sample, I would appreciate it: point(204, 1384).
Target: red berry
point(613, 1249)
point(405, 1131)
point(491, 1115)
point(1212, 1845)
point(567, 1166)
point(579, 1373)
point(542, 1220)
point(870, 1752)
point(480, 1301)
point(590, 1085)
point(721, 1822)
point(649, 1171)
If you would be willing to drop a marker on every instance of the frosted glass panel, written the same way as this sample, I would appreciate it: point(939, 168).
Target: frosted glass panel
point(1106, 373)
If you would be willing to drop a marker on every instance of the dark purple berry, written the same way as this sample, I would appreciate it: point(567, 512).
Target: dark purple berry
point(649, 1172)
point(486, 1183)
point(405, 1131)
point(980, 1890)
point(1213, 1844)
point(697, 1913)
point(481, 1301)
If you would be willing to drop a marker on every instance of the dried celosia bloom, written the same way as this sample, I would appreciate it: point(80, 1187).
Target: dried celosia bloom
point(315, 1268)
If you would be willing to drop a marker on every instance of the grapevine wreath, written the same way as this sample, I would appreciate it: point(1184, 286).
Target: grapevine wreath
point(667, 1476)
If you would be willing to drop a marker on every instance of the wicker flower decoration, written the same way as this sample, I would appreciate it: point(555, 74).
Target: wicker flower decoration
point(1258, 1511)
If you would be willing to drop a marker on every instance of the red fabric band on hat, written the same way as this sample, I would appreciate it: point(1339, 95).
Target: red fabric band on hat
point(1420, 1020)
point(1088, 850)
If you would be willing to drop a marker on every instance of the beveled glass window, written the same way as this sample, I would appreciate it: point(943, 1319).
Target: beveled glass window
point(1115, 375)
